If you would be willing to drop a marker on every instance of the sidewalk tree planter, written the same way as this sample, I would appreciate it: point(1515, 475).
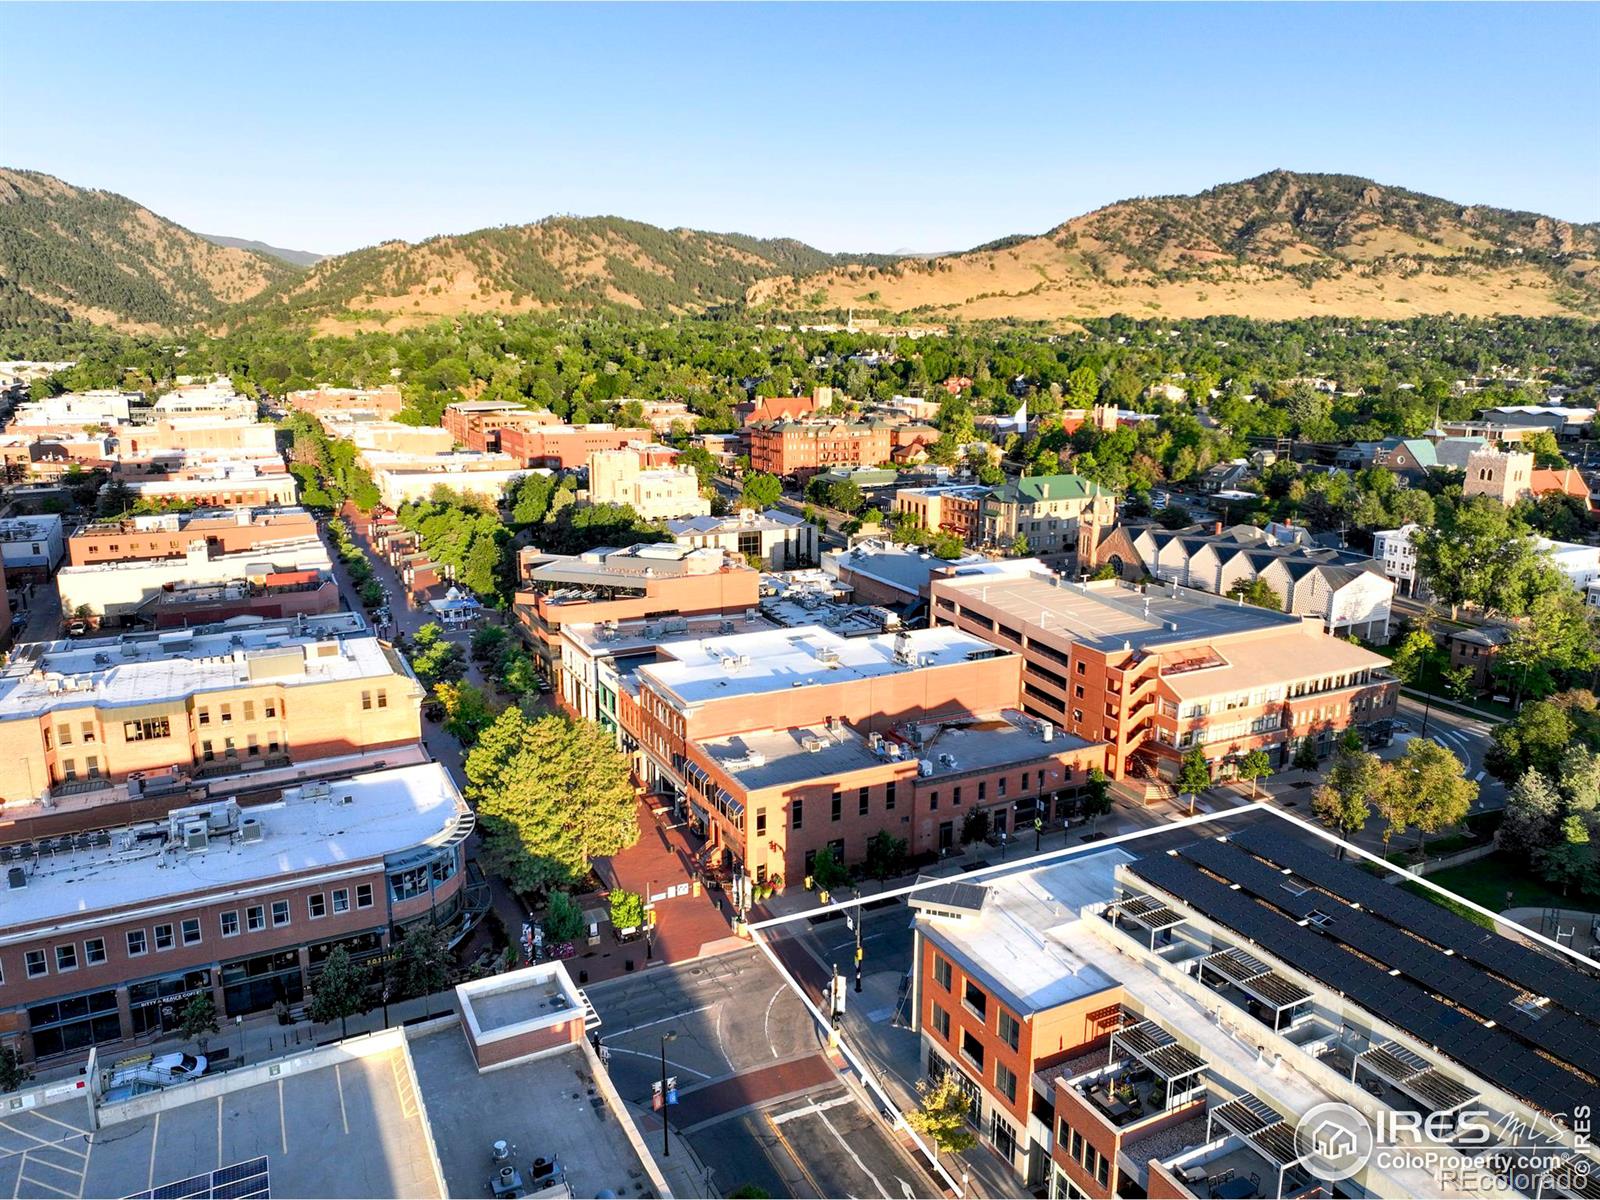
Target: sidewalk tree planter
point(197, 1020)
point(627, 909)
point(941, 1115)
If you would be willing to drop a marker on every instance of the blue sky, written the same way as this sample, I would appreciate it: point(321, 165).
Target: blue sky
point(885, 127)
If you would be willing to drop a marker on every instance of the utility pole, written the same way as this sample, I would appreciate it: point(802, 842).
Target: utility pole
point(670, 1036)
point(857, 923)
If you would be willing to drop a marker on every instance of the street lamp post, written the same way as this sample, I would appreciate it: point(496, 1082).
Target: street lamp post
point(858, 922)
point(670, 1036)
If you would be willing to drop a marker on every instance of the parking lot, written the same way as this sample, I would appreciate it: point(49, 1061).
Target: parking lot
point(349, 1129)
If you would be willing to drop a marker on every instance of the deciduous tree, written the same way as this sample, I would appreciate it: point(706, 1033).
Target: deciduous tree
point(340, 991)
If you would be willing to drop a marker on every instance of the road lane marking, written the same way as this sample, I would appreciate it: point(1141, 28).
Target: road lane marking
point(616, 1033)
point(850, 1150)
point(652, 1054)
point(1478, 778)
point(812, 1109)
point(766, 1025)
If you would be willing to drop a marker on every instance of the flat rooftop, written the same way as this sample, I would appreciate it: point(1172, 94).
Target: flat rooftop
point(611, 566)
point(143, 668)
point(611, 638)
point(1020, 943)
point(771, 519)
point(272, 514)
point(1107, 615)
point(349, 1127)
point(547, 1107)
point(388, 812)
point(758, 663)
point(900, 567)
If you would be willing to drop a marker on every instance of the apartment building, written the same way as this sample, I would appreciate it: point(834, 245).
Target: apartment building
point(956, 509)
point(666, 416)
point(647, 580)
point(800, 449)
point(170, 535)
point(79, 715)
point(1159, 1025)
point(781, 743)
point(656, 493)
point(391, 436)
point(213, 400)
point(778, 540)
point(1156, 672)
point(31, 548)
point(124, 591)
point(1504, 475)
point(240, 897)
point(385, 401)
point(1046, 510)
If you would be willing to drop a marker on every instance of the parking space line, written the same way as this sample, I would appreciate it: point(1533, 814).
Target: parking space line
point(47, 1187)
point(22, 1166)
point(219, 1133)
point(283, 1126)
point(34, 1137)
point(155, 1133)
point(64, 1124)
point(339, 1083)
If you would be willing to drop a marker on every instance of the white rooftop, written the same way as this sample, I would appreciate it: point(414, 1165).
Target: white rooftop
point(1021, 943)
point(141, 668)
point(757, 663)
point(389, 812)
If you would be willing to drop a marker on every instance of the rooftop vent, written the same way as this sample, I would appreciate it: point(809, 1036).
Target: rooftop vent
point(251, 830)
point(195, 836)
point(16, 879)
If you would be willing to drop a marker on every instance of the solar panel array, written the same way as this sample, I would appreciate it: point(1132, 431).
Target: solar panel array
point(246, 1180)
point(1570, 1038)
point(1572, 988)
point(1492, 1054)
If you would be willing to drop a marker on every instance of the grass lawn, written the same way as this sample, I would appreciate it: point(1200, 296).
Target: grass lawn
point(1488, 880)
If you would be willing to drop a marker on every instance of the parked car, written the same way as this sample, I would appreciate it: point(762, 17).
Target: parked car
point(179, 1067)
point(77, 627)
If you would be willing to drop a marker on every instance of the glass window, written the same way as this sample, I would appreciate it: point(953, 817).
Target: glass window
point(862, 802)
point(1010, 1030)
point(976, 1000)
point(363, 895)
point(888, 796)
point(191, 931)
point(317, 905)
point(229, 922)
point(136, 943)
point(941, 1022)
point(341, 900)
point(797, 812)
point(971, 1049)
point(163, 937)
point(1005, 1081)
point(837, 806)
point(255, 918)
point(941, 972)
point(94, 951)
point(280, 912)
point(67, 956)
point(37, 965)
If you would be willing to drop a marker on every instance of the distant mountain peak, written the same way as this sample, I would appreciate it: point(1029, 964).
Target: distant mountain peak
point(297, 258)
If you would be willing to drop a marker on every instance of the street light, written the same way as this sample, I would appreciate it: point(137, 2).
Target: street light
point(670, 1036)
point(856, 916)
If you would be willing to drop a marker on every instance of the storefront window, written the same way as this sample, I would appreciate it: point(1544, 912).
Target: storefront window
point(74, 1023)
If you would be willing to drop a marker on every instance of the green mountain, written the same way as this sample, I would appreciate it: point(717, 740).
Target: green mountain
point(100, 257)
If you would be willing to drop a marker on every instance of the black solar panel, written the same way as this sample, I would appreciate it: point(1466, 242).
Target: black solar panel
point(1450, 976)
point(1491, 1053)
point(1572, 988)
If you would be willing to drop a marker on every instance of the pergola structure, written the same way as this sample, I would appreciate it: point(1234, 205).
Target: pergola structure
point(1262, 1128)
point(1256, 980)
point(1149, 914)
point(1415, 1076)
point(1178, 1068)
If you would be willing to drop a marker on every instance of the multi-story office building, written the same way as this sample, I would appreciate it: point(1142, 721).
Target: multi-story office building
point(648, 580)
point(1157, 672)
point(220, 484)
point(241, 437)
point(86, 714)
point(402, 478)
point(240, 897)
point(385, 401)
point(476, 424)
point(74, 410)
point(31, 548)
point(776, 539)
point(783, 742)
point(800, 449)
point(171, 535)
point(124, 591)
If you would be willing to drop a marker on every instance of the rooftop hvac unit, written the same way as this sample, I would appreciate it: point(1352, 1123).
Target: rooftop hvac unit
point(251, 830)
point(195, 836)
point(924, 768)
point(1047, 731)
point(894, 749)
point(813, 745)
point(345, 798)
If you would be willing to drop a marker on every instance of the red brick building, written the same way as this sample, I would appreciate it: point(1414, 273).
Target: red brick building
point(799, 449)
point(170, 535)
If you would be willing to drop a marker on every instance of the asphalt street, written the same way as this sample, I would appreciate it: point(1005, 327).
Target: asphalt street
point(759, 1102)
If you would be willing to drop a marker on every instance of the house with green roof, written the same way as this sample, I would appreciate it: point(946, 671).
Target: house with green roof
point(1046, 510)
